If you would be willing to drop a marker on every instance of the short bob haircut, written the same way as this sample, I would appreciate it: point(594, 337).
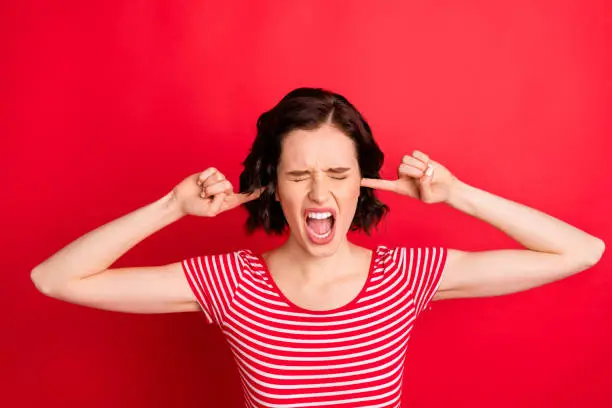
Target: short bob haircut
point(307, 109)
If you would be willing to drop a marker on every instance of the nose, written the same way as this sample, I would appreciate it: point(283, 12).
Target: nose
point(319, 190)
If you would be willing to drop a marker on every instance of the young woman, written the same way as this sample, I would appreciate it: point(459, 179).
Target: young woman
point(318, 321)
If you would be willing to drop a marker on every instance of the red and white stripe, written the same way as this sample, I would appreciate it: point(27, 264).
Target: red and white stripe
point(352, 356)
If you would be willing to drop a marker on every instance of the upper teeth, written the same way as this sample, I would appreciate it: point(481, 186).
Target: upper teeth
point(319, 215)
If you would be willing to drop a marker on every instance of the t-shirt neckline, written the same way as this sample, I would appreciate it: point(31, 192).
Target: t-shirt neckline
point(301, 309)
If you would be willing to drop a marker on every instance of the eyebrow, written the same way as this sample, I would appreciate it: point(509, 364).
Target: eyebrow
point(333, 170)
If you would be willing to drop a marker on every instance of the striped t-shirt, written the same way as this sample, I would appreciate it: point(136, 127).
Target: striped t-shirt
point(287, 356)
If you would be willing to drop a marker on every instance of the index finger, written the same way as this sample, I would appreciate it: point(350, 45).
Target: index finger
point(379, 184)
point(246, 197)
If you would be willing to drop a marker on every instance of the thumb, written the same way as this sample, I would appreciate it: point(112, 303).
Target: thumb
point(425, 183)
point(379, 184)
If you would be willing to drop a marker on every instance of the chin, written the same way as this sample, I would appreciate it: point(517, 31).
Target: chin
point(322, 249)
point(322, 252)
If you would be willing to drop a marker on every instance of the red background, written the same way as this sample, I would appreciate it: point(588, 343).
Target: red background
point(107, 105)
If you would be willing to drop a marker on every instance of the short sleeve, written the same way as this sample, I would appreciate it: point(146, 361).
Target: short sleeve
point(424, 268)
point(214, 280)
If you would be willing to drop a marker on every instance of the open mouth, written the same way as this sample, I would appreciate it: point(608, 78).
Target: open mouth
point(320, 225)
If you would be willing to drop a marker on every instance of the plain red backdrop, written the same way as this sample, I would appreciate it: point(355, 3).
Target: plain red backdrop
point(108, 104)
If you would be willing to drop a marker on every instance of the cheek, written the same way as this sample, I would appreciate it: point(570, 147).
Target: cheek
point(351, 191)
point(348, 195)
point(290, 198)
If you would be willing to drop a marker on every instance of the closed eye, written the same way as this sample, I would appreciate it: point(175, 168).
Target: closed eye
point(306, 178)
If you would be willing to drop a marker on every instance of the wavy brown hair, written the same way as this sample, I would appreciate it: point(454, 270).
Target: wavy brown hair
point(307, 109)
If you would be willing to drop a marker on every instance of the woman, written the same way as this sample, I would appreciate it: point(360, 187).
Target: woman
point(318, 321)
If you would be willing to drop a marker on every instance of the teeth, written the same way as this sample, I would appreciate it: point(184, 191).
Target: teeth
point(319, 215)
point(321, 236)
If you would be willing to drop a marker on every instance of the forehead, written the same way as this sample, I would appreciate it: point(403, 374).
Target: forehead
point(325, 146)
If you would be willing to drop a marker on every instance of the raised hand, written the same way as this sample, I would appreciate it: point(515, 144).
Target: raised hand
point(418, 177)
point(209, 193)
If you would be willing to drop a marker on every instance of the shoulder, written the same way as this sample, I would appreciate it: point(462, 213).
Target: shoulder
point(235, 258)
point(401, 254)
point(247, 256)
point(388, 253)
point(244, 256)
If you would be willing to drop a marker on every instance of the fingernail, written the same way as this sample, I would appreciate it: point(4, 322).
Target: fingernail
point(429, 170)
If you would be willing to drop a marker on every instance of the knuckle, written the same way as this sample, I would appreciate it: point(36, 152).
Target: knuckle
point(211, 181)
point(203, 176)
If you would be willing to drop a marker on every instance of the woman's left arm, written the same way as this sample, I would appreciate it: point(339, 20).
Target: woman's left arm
point(555, 249)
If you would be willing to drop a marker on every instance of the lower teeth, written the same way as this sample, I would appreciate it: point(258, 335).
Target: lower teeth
point(322, 235)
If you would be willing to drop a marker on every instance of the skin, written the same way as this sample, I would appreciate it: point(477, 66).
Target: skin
point(318, 169)
point(317, 277)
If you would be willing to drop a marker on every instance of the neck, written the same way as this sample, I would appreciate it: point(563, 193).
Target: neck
point(317, 269)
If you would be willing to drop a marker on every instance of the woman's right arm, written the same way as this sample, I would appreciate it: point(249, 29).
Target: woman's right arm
point(79, 273)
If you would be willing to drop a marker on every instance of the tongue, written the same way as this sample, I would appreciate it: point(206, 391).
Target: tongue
point(320, 226)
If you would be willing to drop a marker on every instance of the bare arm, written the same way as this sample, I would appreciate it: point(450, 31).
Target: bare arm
point(79, 273)
point(555, 249)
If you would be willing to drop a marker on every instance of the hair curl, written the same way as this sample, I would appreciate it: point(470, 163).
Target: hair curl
point(307, 109)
